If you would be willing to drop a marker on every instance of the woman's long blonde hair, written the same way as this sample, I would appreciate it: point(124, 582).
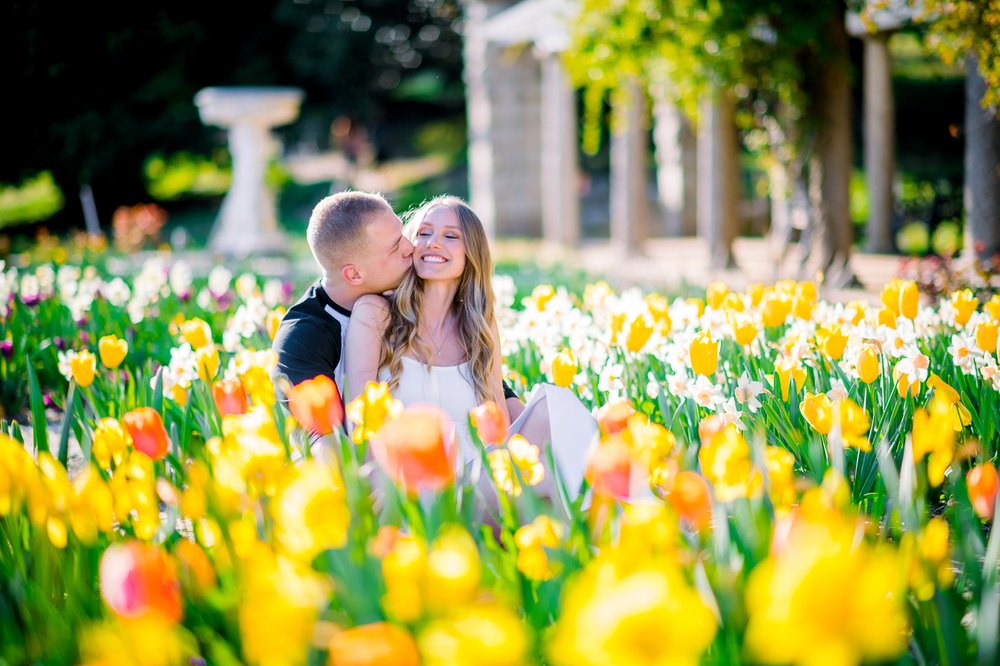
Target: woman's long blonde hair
point(473, 306)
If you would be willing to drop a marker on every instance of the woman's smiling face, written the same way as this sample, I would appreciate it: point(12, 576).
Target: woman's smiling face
point(439, 246)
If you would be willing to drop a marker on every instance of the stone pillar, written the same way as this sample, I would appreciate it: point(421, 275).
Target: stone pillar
point(982, 168)
point(560, 146)
point(503, 104)
point(676, 167)
point(880, 141)
point(247, 222)
point(629, 141)
point(718, 179)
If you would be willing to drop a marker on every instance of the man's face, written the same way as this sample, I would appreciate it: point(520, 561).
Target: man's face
point(388, 255)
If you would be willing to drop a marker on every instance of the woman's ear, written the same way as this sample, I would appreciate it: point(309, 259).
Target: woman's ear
point(351, 274)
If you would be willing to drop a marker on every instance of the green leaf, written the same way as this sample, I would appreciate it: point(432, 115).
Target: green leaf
point(41, 437)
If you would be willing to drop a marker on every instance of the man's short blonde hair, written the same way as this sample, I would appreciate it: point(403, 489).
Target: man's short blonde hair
point(337, 226)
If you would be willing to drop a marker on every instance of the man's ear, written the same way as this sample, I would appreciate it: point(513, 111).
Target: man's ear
point(351, 274)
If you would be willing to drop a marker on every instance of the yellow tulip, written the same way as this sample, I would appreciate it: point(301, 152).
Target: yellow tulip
point(965, 305)
point(196, 332)
point(992, 307)
point(273, 321)
point(909, 299)
point(370, 410)
point(532, 540)
point(775, 309)
point(715, 294)
point(832, 341)
point(818, 412)
point(207, 359)
point(660, 312)
point(986, 336)
point(960, 416)
point(745, 329)
point(862, 615)
point(541, 295)
point(756, 293)
point(482, 634)
point(869, 366)
point(787, 370)
point(638, 334)
point(854, 425)
point(452, 570)
point(564, 368)
point(726, 463)
point(890, 296)
point(887, 317)
point(112, 350)
point(704, 354)
point(697, 303)
point(310, 510)
point(83, 366)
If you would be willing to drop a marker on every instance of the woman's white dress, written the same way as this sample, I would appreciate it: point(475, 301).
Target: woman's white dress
point(449, 387)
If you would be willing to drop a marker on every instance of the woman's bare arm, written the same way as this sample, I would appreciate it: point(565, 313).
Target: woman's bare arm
point(363, 346)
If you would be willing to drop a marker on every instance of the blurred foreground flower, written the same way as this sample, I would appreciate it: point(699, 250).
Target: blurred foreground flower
point(138, 579)
point(418, 449)
point(316, 405)
point(376, 644)
point(145, 427)
point(826, 593)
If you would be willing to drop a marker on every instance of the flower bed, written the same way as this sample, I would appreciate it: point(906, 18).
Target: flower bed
point(778, 479)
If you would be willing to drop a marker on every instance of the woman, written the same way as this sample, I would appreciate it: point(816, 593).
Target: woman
point(437, 340)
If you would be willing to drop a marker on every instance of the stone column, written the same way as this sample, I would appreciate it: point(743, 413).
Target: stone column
point(629, 201)
point(718, 179)
point(880, 141)
point(560, 141)
point(676, 167)
point(982, 168)
point(503, 104)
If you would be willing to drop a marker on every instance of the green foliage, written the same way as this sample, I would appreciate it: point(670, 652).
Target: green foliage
point(34, 199)
point(185, 175)
point(963, 28)
point(766, 53)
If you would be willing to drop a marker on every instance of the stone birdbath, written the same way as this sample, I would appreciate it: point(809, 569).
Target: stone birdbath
point(247, 222)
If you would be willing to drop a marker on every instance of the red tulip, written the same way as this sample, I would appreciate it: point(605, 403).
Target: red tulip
point(149, 436)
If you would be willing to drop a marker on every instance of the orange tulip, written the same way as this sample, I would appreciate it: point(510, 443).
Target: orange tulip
point(613, 417)
point(489, 422)
point(315, 404)
point(137, 579)
point(418, 449)
point(376, 644)
point(609, 468)
point(230, 396)
point(983, 482)
point(690, 499)
point(149, 436)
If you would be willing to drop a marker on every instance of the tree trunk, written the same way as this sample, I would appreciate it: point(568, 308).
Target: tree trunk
point(982, 169)
point(831, 235)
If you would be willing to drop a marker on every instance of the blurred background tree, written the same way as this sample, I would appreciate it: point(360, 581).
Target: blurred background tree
point(97, 89)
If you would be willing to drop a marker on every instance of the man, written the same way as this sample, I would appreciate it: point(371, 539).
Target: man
point(358, 242)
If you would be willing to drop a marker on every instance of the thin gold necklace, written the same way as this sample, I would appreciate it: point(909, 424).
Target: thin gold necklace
point(437, 346)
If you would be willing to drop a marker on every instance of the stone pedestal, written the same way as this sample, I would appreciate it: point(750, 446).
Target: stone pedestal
point(247, 222)
point(560, 146)
point(629, 202)
point(880, 144)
